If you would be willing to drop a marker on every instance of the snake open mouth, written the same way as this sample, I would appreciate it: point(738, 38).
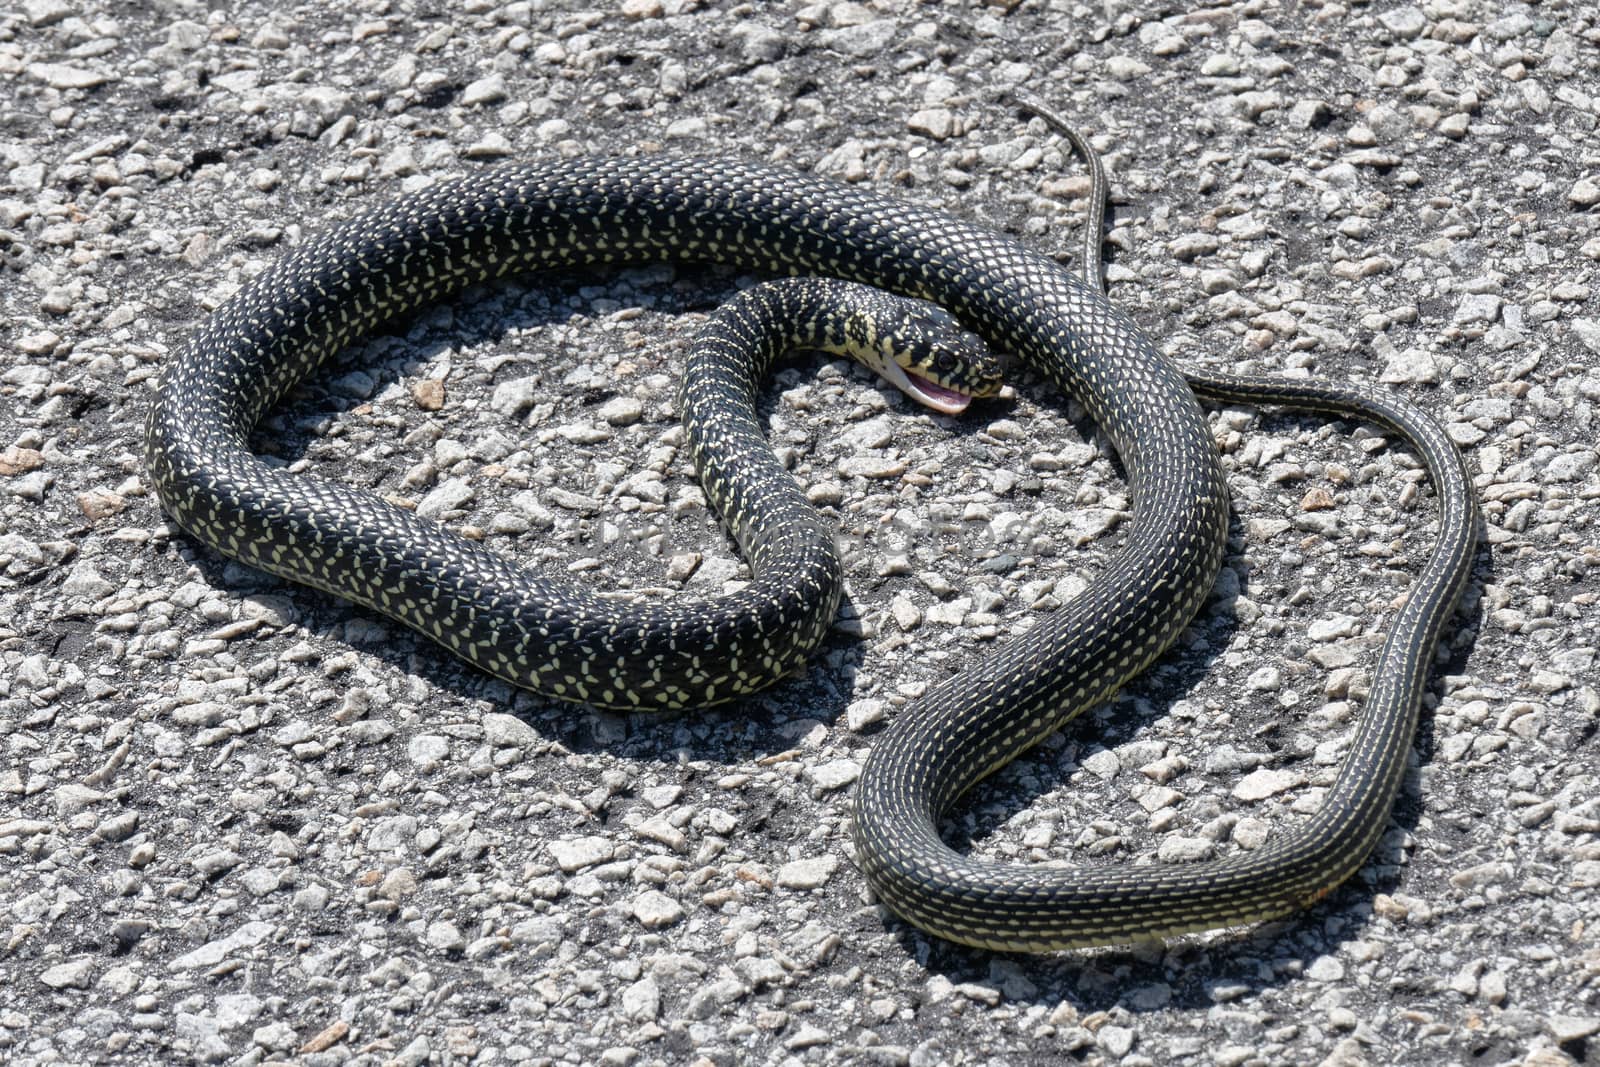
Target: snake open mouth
point(925, 391)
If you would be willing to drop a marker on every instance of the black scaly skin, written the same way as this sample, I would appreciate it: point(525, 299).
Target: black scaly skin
point(554, 637)
point(562, 641)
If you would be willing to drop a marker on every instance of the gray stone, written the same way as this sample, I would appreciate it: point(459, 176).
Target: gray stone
point(72, 975)
point(655, 909)
point(812, 873)
point(1265, 782)
point(63, 76)
point(1405, 23)
point(428, 750)
point(582, 852)
point(509, 730)
point(202, 1036)
point(489, 90)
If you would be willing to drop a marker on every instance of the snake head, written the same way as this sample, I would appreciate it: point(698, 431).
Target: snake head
point(928, 355)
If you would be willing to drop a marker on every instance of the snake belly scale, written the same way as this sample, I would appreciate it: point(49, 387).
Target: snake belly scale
point(570, 644)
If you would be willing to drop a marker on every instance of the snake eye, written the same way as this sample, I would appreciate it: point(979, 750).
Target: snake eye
point(945, 362)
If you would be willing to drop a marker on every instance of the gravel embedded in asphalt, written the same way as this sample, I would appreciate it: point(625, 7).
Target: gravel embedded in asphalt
point(246, 822)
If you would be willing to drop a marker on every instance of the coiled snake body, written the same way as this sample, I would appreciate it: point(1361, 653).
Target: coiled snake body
point(573, 645)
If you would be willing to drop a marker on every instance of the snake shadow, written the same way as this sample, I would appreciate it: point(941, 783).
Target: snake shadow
point(1199, 971)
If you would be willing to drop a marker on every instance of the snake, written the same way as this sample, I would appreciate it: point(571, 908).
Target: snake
point(573, 644)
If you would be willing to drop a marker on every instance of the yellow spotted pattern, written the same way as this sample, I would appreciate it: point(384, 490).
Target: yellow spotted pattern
point(561, 640)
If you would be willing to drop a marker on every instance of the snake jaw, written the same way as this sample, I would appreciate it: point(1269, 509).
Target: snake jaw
point(927, 393)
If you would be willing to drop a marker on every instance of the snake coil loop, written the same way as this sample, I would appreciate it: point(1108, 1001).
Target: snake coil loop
point(568, 643)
